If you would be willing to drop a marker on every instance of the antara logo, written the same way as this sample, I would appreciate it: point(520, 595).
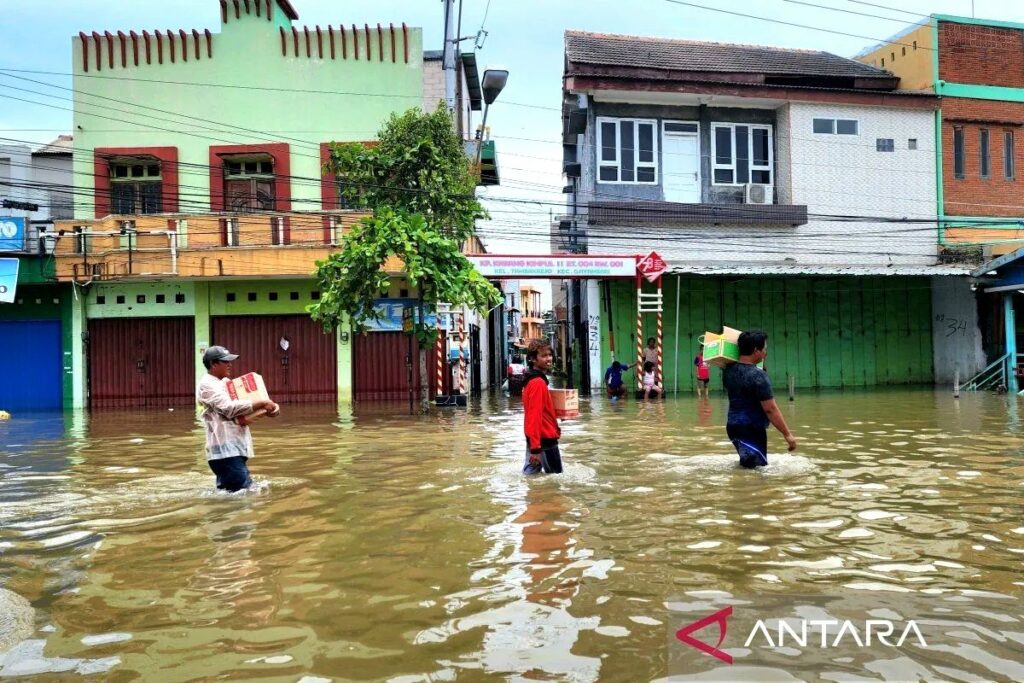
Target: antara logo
point(720, 617)
point(823, 633)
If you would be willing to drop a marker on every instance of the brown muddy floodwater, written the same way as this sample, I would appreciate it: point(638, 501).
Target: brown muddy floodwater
point(383, 547)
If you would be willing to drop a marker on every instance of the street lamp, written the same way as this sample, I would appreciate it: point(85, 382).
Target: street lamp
point(493, 83)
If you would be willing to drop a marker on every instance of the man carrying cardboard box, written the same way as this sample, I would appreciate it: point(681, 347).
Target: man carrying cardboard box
point(752, 405)
point(228, 444)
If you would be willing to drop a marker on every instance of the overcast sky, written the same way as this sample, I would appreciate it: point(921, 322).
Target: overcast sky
point(525, 36)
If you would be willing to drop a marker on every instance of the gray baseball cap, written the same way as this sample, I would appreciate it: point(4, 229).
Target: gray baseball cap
point(216, 354)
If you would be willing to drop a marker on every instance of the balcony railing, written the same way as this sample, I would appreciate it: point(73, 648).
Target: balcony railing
point(672, 213)
point(198, 245)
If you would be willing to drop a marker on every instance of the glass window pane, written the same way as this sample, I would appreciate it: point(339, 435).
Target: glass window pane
point(762, 177)
point(645, 174)
point(627, 148)
point(608, 141)
point(265, 194)
point(723, 145)
point(646, 133)
point(609, 174)
point(760, 147)
point(846, 127)
point(984, 153)
point(724, 175)
point(1008, 160)
point(824, 125)
point(122, 198)
point(681, 127)
point(149, 196)
point(885, 145)
point(958, 152)
point(742, 154)
point(138, 171)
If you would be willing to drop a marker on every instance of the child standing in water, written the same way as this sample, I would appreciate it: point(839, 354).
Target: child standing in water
point(539, 421)
point(651, 388)
point(703, 374)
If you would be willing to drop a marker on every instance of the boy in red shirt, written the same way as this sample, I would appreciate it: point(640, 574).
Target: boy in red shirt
point(539, 422)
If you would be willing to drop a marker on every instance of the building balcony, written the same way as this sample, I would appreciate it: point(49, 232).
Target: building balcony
point(671, 213)
point(199, 246)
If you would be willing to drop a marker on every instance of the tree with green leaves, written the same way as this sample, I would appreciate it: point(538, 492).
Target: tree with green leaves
point(419, 186)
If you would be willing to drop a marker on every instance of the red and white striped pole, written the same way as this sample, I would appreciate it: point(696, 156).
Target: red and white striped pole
point(661, 335)
point(462, 356)
point(639, 334)
point(440, 356)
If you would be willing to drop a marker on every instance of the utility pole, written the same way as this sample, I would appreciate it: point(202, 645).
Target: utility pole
point(448, 64)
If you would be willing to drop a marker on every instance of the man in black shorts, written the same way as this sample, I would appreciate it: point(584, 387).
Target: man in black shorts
point(752, 405)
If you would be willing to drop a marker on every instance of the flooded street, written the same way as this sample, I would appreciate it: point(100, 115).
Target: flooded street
point(378, 547)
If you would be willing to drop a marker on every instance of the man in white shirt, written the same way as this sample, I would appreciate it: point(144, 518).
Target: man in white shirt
point(228, 444)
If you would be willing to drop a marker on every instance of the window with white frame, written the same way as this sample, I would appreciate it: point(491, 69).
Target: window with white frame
point(741, 154)
point(627, 151)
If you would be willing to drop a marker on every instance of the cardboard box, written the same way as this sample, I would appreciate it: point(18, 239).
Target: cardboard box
point(248, 387)
point(722, 349)
point(567, 402)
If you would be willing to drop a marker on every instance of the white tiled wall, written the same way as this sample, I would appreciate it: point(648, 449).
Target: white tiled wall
point(834, 176)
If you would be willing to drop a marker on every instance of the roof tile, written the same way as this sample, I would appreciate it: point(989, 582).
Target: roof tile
point(690, 55)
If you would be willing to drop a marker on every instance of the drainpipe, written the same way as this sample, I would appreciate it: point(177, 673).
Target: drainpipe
point(172, 235)
point(1010, 323)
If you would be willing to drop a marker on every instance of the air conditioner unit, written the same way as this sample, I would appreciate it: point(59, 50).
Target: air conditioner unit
point(756, 193)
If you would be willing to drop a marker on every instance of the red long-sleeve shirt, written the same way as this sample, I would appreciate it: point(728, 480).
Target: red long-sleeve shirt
point(539, 420)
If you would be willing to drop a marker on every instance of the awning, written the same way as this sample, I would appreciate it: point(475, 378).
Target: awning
point(819, 270)
point(476, 97)
point(1004, 274)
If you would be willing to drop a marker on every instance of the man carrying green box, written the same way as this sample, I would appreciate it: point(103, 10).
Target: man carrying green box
point(752, 405)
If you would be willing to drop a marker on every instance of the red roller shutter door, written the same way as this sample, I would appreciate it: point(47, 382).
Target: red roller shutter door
point(141, 362)
point(305, 372)
point(379, 371)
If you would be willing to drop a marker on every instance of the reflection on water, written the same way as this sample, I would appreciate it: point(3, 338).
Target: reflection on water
point(379, 547)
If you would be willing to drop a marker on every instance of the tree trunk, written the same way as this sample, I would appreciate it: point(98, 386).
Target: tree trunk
point(424, 377)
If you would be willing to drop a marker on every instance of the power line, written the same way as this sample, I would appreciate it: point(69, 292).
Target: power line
point(887, 8)
point(310, 180)
point(845, 11)
point(785, 23)
point(257, 88)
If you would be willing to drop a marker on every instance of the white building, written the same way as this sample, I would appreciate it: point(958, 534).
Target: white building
point(789, 190)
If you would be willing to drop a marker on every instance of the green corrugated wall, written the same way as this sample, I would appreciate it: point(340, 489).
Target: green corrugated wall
point(827, 332)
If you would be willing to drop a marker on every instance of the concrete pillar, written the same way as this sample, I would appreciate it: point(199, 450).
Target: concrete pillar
point(202, 325)
point(594, 333)
point(345, 340)
point(1010, 323)
point(78, 328)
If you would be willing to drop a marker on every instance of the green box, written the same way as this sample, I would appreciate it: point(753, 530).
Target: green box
point(721, 352)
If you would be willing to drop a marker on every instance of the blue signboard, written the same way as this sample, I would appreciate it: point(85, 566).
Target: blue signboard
point(390, 312)
point(12, 233)
point(8, 279)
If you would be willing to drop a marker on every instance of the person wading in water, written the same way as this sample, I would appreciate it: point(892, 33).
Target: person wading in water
point(752, 405)
point(228, 444)
point(540, 424)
